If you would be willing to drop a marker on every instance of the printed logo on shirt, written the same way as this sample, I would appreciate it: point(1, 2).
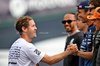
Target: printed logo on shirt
point(97, 39)
point(89, 40)
point(37, 52)
point(98, 35)
point(14, 52)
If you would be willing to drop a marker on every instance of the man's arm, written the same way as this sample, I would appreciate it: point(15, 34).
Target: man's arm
point(56, 58)
point(87, 55)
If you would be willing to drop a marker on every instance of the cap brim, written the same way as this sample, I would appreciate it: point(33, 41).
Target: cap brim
point(91, 17)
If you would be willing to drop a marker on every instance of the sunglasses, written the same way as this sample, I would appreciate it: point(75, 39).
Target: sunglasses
point(68, 21)
point(91, 8)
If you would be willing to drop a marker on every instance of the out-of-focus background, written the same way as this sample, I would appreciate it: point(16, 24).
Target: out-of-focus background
point(47, 14)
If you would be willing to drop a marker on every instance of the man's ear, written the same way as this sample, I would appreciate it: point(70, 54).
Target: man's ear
point(24, 29)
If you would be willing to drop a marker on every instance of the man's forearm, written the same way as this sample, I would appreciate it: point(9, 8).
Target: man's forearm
point(56, 58)
point(86, 55)
point(59, 57)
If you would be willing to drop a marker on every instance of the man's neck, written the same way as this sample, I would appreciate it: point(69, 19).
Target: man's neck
point(89, 22)
point(85, 29)
point(70, 34)
point(74, 31)
point(25, 37)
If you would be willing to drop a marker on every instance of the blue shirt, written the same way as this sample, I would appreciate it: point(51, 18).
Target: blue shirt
point(86, 46)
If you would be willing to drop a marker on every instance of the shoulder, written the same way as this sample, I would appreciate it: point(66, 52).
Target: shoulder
point(79, 34)
point(30, 45)
point(23, 44)
point(92, 28)
point(79, 37)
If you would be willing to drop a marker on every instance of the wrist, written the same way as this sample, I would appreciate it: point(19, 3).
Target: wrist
point(67, 52)
point(76, 53)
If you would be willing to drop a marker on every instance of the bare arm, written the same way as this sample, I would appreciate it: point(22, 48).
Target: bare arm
point(87, 55)
point(56, 58)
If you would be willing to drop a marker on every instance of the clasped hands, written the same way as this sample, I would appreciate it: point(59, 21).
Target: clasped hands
point(72, 48)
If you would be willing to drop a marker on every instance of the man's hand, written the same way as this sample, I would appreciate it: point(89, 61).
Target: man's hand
point(72, 48)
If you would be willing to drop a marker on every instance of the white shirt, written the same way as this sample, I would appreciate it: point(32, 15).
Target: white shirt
point(23, 53)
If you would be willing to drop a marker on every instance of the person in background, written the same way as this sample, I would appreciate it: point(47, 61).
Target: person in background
point(24, 53)
point(92, 6)
point(86, 49)
point(96, 38)
point(74, 36)
point(83, 28)
point(80, 25)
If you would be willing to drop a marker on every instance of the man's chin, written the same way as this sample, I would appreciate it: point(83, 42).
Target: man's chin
point(83, 21)
point(35, 36)
point(68, 31)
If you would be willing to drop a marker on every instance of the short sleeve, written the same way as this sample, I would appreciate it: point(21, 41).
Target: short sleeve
point(34, 54)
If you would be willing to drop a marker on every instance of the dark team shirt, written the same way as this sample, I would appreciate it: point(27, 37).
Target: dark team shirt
point(72, 60)
point(86, 45)
point(96, 53)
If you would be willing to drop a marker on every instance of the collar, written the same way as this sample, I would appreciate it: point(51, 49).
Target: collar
point(92, 23)
point(77, 31)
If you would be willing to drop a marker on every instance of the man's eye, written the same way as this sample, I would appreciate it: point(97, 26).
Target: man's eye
point(33, 25)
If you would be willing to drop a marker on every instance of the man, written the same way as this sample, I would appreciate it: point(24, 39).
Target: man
point(82, 14)
point(83, 11)
point(81, 26)
point(96, 53)
point(24, 53)
point(86, 48)
point(92, 5)
point(74, 36)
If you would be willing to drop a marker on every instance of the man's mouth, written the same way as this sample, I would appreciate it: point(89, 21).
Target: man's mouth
point(67, 27)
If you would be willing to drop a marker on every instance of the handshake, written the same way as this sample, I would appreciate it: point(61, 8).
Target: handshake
point(73, 49)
